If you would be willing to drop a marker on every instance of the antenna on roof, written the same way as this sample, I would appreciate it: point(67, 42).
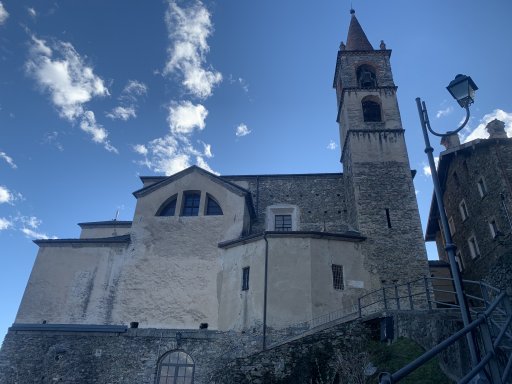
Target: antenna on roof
point(117, 215)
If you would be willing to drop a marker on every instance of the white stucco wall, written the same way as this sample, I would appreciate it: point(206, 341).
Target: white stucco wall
point(170, 275)
point(72, 284)
point(300, 283)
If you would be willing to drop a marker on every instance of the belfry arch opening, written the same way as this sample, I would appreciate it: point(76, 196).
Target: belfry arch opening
point(366, 77)
point(371, 109)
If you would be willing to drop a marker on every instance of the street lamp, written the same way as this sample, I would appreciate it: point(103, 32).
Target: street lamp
point(462, 88)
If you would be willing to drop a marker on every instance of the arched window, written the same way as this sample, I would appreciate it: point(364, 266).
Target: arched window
point(175, 367)
point(366, 77)
point(212, 207)
point(371, 110)
point(168, 208)
point(191, 204)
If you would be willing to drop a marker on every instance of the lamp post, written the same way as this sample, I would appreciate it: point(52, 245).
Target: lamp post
point(462, 88)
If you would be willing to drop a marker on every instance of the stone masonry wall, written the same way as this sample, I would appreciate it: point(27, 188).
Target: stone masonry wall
point(320, 199)
point(492, 161)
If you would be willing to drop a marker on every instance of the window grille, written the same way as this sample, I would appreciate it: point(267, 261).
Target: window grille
point(337, 277)
point(176, 367)
point(168, 208)
point(191, 204)
point(283, 223)
point(212, 207)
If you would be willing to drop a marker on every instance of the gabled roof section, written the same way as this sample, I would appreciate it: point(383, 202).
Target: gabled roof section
point(356, 38)
point(194, 168)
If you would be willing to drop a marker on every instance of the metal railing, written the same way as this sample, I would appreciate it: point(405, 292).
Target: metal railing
point(492, 328)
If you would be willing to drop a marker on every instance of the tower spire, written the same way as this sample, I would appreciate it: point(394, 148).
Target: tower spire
point(356, 39)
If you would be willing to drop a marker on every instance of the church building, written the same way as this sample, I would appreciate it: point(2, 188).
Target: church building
point(210, 266)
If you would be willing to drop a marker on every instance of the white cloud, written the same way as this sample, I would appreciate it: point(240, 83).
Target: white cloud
point(481, 133)
point(3, 14)
point(32, 12)
point(5, 223)
point(207, 150)
point(444, 112)
point(98, 133)
point(61, 72)
point(8, 159)
point(123, 113)
point(30, 233)
point(134, 89)
point(171, 154)
point(332, 145)
point(185, 117)
point(6, 196)
point(426, 167)
point(188, 30)
point(242, 130)
point(140, 149)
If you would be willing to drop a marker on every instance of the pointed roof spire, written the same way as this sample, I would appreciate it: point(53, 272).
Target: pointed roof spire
point(356, 39)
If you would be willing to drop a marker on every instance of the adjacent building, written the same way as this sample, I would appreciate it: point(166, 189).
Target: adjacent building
point(476, 179)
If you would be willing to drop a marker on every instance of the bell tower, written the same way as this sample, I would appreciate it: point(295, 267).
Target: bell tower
point(378, 178)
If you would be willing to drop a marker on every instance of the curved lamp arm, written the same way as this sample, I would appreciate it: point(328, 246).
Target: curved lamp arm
point(427, 121)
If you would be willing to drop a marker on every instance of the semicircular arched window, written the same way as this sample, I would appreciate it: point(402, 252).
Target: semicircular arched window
point(168, 208)
point(371, 110)
point(175, 367)
point(212, 207)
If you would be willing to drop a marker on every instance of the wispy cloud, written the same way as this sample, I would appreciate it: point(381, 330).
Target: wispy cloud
point(332, 145)
point(32, 234)
point(52, 138)
point(5, 223)
point(8, 159)
point(426, 167)
point(481, 133)
point(61, 72)
point(240, 81)
point(3, 14)
point(128, 99)
point(242, 130)
point(32, 12)
point(444, 112)
point(188, 30)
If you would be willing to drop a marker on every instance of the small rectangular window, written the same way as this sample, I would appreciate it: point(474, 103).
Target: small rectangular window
point(451, 224)
point(245, 279)
point(493, 227)
point(337, 277)
point(283, 223)
point(473, 247)
point(482, 188)
point(463, 210)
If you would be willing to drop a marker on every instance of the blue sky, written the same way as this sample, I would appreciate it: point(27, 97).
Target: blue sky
point(95, 93)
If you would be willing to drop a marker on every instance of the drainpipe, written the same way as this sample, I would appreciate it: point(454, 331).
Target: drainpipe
point(265, 293)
